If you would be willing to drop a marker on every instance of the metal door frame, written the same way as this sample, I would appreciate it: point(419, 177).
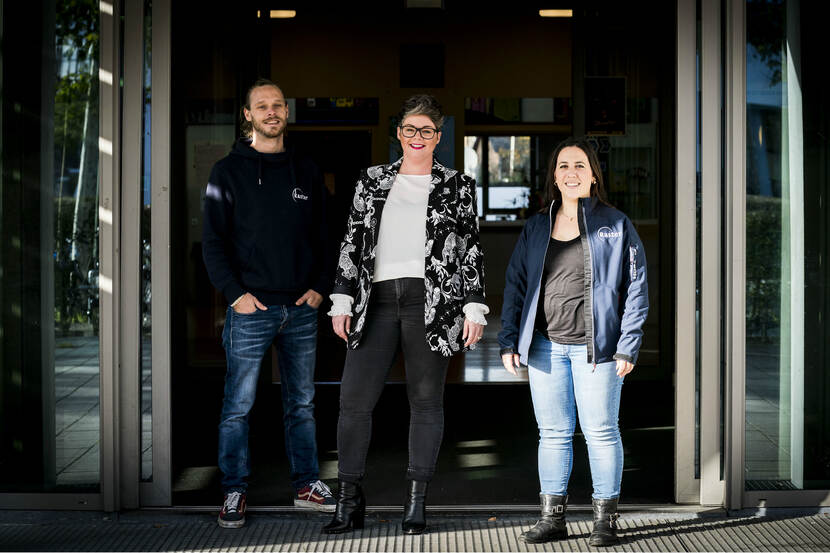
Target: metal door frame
point(699, 71)
point(158, 491)
point(119, 209)
point(722, 119)
point(686, 485)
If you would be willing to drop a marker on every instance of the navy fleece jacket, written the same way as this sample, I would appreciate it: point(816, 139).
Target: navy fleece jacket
point(616, 284)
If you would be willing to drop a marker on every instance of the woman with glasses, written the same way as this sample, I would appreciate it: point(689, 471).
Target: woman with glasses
point(410, 276)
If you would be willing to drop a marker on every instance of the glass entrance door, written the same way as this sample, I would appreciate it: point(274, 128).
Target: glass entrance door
point(787, 433)
point(587, 74)
point(49, 264)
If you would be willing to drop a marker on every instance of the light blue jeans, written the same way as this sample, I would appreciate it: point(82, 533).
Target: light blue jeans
point(563, 383)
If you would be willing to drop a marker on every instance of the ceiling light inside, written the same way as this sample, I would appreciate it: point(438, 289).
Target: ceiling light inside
point(283, 14)
point(556, 13)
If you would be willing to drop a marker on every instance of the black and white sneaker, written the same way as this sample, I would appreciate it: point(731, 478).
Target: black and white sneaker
point(317, 496)
point(232, 514)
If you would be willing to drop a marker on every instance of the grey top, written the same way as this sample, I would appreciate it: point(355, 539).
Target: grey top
point(560, 315)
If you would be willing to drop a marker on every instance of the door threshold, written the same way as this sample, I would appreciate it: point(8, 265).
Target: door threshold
point(641, 508)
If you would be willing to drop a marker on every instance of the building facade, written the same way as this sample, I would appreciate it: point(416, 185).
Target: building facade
point(711, 121)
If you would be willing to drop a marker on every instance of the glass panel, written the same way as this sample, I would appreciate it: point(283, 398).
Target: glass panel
point(472, 167)
point(637, 171)
point(512, 185)
point(146, 282)
point(787, 416)
point(49, 254)
point(508, 166)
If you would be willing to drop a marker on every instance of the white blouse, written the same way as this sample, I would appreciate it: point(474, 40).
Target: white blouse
point(403, 228)
point(401, 241)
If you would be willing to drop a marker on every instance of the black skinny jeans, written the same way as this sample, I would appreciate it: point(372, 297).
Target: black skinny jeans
point(395, 318)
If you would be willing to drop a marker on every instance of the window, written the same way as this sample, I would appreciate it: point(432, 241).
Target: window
point(511, 184)
point(49, 259)
point(787, 335)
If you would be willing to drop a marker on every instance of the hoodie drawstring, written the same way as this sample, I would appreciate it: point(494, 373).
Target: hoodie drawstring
point(259, 169)
point(292, 175)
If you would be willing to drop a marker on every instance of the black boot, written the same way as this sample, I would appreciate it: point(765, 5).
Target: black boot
point(350, 510)
point(605, 522)
point(415, 508)
point(552, 524)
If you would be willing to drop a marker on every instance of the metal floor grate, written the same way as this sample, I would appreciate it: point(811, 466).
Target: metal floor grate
point(21, 531)
point(763, 485)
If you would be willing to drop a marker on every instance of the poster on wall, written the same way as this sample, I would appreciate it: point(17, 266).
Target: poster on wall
point(605, 106)
point(444, 152)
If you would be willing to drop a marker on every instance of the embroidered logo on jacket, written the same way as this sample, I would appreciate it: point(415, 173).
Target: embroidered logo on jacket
point(606, 233)
point(297, 194)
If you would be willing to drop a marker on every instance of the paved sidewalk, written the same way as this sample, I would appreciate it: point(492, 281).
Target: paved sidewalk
point(269, 531)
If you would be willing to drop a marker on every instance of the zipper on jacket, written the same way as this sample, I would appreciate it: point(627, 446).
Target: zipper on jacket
point(544, 256)
point(587, 241)
point(547, 245)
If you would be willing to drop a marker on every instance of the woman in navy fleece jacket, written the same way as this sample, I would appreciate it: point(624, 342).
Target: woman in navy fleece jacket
point(575, 301)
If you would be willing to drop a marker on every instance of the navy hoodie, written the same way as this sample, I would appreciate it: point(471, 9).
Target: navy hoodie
point(264, 227)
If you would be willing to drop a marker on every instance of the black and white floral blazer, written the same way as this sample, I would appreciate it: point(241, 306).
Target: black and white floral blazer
point(454, 270)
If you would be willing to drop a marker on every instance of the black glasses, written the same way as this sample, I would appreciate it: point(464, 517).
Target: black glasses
point(427, 133)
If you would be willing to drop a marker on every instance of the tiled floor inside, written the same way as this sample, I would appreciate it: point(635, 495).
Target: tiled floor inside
point(77, 403)
point(77, 415)
point(77, 411)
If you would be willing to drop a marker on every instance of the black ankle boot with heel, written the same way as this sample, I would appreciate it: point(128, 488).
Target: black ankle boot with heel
point(605, 523)
point(415, 508)
point(350, 509)
point(552, 524)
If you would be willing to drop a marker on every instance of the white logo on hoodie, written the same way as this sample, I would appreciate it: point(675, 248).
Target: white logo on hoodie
point(297, 194)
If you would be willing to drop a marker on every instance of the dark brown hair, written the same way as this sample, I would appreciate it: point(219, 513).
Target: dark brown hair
point(552, 192)
point(246, 126)
point(422, 104)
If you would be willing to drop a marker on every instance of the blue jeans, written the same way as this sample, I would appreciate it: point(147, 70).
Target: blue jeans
point(246, 338)
point(563, 383)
